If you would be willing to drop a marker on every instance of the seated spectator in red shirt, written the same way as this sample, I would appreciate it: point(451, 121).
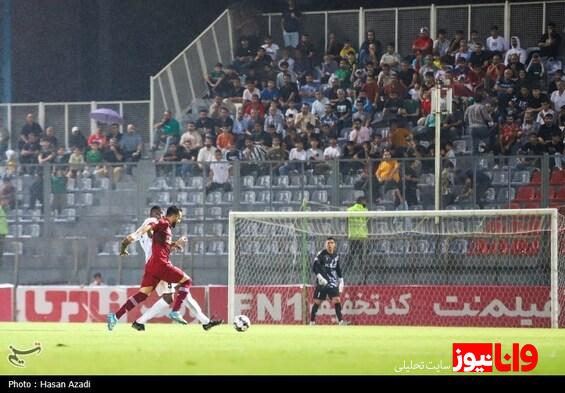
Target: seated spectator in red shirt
point(255, 103)
point(99, 137)
point(423, 43)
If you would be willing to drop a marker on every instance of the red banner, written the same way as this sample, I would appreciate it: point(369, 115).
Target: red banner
point(504, 306)
point(6, 303)
point(85, 304)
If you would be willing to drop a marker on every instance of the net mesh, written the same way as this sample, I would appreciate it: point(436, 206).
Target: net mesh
point(404, 270)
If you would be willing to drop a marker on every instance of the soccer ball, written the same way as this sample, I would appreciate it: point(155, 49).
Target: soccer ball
point(241, 323)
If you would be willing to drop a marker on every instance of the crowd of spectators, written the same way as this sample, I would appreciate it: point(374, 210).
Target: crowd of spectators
point(301, 105)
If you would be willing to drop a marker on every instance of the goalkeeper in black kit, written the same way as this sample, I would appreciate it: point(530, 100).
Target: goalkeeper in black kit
point(329, 282)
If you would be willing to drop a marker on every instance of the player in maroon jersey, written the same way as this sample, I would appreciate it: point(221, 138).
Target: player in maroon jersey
point(159, 267)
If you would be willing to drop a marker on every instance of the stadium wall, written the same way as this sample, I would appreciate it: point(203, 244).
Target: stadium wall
point(504, 306)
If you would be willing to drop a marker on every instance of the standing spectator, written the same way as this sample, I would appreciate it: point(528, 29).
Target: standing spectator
point(30, 127)
point(59, 190)
point(36, 191)
point(30, 151)
point(167, 130)
point(478, 121)
point(550, 42)
point(3, 228)
point(77, 139)
point(219, 174)
point(371, 39)
point(290, 23)
point(441, 44)
point(76, 163)
point(131, 144)
point(46, 153)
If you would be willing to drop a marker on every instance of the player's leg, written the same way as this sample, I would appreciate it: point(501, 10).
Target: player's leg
point(173, 274)
point(336, 301)
point(193, 306)
point(319, 296)
point(133, 301)
point(160, 307)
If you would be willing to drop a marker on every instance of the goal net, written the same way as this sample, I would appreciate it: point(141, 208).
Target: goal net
point(428, 268)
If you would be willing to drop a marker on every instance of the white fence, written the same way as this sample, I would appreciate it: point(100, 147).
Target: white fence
point(182, 81)
point(401, 25)
point(62, 116)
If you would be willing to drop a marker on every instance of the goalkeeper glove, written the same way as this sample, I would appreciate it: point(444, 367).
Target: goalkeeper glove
point(341, 285)
point(321, 280)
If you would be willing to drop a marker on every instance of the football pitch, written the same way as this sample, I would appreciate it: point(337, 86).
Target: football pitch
point(89, 348)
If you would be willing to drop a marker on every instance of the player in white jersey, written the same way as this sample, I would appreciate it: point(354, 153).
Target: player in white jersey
point(164, 290)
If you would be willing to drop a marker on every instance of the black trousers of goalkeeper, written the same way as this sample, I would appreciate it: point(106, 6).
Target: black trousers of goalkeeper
point(357, 267)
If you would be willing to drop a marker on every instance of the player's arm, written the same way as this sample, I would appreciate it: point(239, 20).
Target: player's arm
point(338, 271)
point(179, 243)
point(133, 237)
point(317, 268)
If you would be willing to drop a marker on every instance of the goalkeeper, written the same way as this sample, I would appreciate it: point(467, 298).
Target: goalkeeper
point(329, 283)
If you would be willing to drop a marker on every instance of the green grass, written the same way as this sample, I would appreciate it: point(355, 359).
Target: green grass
point(174, 349)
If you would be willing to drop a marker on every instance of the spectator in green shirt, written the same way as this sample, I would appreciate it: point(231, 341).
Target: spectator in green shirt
point(167, 130)
point(59, 190)
point(357, 234)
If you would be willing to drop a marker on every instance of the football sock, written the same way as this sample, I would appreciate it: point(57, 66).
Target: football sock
point(183, 292)
point(338, 311)
point(196, 310)
point(161, 307)
point(313, 313)
point(131, 303)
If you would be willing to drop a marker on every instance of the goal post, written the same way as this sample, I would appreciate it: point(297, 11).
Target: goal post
point(430, 268)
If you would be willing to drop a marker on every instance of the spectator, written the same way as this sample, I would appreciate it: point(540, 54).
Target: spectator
point(243, 56)
point(30, 151)
point(206, 125)
point(36, 191)
point(270, 93)
point(4, 138)
point(256, 104)
point(191, 135)
point(225, 138)
point(370, 39)
point(46, 152)
point(332, 152)
point(441, 44)
point(219, 174)
point(61, 156)
point(304, 118)
point(288, 93)
point(390, 57)
point(423, 43)
point(131, 144)
point(359, 134)
point(334, 46)
point(270, 47)
point(97, 280)
point(558, 96)
point(495, 43)
point(50, 136)
point(59, 190)
point(207, 152)
point(550, 42)
point(290, 23)
point(346, 50)
point(8, 193)
point(478, 121)
point(215, 81)
point(76, 163)
point(250, 91)
point(30, 127)
point(515, 48)
point(388, 176)
point(98, 137)
point(114, 156)
point(77, 139)
point(167, 131)
point(276, 119)
point(114, 133)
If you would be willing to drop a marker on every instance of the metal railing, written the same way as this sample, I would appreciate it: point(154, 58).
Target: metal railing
point(62, 116)
point(183, 80)
point(401, 25)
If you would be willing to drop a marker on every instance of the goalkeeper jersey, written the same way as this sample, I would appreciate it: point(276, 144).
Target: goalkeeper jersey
point(327, 265)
